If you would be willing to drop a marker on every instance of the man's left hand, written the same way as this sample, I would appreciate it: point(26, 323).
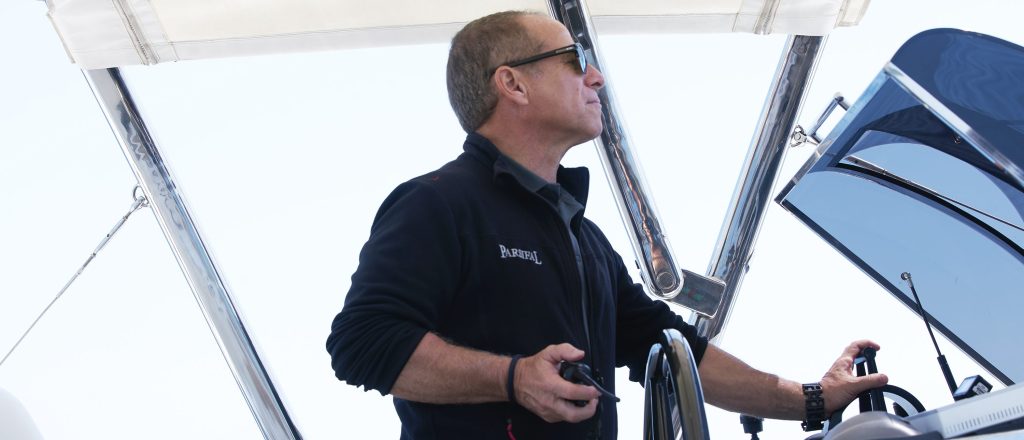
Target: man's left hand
point(840, 386)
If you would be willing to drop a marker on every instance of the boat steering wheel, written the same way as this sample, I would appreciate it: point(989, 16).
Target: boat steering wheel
point(673, 398)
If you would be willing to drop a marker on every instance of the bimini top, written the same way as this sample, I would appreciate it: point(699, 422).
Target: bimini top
point(923, 175)
point(111, 33)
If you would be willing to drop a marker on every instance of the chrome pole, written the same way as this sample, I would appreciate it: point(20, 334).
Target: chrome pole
point(753, 189)
point(181, 233)
point(661, 276)
point(657, 265)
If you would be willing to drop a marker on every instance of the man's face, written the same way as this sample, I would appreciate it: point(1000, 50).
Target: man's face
point(563, 101)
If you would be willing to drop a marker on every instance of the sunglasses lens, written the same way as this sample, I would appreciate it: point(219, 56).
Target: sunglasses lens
point(582, 57)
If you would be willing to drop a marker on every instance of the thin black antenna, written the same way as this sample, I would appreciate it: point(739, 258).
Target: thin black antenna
point(942, 358)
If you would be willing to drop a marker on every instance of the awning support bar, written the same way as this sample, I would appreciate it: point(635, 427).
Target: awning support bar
point(182, 235)
point(760, 171)
point(661, 275)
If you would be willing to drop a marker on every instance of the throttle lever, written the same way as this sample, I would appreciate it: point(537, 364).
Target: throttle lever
point(874, 400)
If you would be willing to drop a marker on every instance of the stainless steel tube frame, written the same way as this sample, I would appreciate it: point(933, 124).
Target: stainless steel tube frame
point(672, 371)
point(658, 268)
point(760, 171)
point(187, 245)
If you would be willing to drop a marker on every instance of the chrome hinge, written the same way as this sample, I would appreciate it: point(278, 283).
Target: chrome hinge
point(800, 137)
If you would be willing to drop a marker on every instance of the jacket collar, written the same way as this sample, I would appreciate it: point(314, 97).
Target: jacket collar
point(574, 180)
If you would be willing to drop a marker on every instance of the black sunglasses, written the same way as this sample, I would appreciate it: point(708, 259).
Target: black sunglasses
point(575, 48)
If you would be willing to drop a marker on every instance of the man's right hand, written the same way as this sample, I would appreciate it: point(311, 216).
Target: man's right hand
point(541, 390)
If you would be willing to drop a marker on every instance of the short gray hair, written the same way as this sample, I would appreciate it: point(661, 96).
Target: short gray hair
point(482, 45)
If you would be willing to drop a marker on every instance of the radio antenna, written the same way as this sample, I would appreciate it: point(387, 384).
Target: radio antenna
point(941, 358)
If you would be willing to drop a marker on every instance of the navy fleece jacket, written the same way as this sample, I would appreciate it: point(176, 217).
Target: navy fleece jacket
point(469, 254)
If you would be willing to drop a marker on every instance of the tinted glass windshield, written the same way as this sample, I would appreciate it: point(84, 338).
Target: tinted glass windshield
point(901, 186)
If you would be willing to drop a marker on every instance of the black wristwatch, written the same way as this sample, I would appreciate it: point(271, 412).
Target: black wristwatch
point(815, 406)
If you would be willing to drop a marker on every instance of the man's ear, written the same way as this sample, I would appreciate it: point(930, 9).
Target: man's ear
point(509, 84)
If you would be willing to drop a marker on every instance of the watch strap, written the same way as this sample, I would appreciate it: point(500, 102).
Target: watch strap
point(814, 404)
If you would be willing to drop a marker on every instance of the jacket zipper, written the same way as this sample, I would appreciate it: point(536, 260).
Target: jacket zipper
point(584, 293)
point(577, 262)
point(568, 236)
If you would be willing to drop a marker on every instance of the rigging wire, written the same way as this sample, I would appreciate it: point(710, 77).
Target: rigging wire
point(140, 202)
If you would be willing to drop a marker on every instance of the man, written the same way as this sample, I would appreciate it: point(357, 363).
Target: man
point(480, 278)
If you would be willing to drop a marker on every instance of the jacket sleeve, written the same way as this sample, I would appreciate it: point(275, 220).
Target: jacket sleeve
point(407, 274)
point(641, 321)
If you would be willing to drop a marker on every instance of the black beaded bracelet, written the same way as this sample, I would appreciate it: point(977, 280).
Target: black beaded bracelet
point(814, 404)
point(510, 382)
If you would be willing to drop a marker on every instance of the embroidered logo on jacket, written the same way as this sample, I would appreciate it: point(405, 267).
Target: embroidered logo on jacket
point(519, 253)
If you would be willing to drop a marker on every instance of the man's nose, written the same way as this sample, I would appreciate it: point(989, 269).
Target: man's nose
point(594, 78)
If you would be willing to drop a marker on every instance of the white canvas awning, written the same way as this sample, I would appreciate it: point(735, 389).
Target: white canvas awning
point(109, 33)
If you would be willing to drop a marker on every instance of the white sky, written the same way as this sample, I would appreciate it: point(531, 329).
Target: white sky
point(284, 160)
